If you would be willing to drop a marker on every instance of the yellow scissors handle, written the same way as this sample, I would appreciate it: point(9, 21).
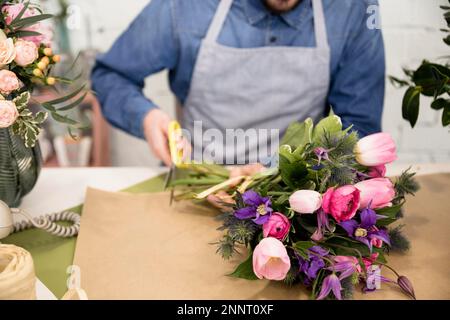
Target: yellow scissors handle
point(175, 134)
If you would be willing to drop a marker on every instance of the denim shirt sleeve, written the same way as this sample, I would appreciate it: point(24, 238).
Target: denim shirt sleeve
point(149, 45)
point(357, 87)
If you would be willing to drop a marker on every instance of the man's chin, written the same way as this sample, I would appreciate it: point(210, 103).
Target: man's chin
point(281, 6)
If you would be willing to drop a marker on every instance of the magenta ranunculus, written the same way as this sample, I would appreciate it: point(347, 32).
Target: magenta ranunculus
point(377, 171)
point(376, 149)
point(342, 203)
point(377, 192)
point(270, 260)
point(305, 201)
point(277, 226)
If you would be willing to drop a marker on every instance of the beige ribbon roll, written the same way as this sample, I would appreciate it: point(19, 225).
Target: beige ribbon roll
point(17, 276)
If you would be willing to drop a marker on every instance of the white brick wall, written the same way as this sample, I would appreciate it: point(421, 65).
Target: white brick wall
point(411, 31)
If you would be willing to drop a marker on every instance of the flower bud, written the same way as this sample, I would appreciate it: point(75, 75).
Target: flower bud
point(56, 58)
point(41, 65)
point(406, 286)
point(48, 51)
point(305, 201)
point(45, 60)
point(37, 72)
point(51, 81)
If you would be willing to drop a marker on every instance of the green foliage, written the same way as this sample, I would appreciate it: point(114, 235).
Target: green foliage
point(347, 288)
point(431, 80)
point(301, 247)
point(298, 134)
point(245, 270)
point(27, 125)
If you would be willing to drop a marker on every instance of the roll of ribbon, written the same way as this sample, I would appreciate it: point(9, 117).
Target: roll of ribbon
point(17, 277)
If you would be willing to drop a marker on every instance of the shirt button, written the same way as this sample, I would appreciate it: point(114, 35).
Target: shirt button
point(273, 39)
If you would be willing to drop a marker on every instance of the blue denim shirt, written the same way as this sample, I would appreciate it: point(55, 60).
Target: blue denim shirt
point(167, 35)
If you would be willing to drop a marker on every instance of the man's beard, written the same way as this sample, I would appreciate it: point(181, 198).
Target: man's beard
point(281, 6)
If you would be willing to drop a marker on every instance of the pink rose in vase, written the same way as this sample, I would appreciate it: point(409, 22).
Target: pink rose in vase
point(8, 113)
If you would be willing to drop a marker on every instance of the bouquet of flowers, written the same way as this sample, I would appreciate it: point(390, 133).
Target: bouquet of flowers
point(322, 217)
point(26, 60)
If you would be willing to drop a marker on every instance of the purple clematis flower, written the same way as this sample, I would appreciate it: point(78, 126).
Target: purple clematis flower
point(258, 208)
point(345, 268)
point(331, 283)
point(366, 231)
point(314, 263)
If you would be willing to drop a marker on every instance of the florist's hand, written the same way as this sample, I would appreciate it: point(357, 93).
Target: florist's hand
point(221, 198)
point(156, 125)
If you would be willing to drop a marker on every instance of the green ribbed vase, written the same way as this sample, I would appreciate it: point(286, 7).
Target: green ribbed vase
point(19, 167)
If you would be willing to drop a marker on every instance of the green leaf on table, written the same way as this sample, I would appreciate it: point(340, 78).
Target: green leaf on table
point(298, 134)
point(331, 124)
point(245, 270)
point(410, 105)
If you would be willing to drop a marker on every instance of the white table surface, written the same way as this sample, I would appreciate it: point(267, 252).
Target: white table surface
point(62, 188)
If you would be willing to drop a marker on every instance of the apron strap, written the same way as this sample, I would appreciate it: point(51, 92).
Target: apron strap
point(218, 20)
point(319, 24)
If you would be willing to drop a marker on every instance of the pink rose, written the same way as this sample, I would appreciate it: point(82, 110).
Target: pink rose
point(270, 260)
point(46, 35)
point(377, 171)
point(8, 113)
point(376, 149)
point(305, 201)
point(342, 203)
point(7, 50)
point(26, 53)
point(277, 226)
point(379, 192)
point(8, 82)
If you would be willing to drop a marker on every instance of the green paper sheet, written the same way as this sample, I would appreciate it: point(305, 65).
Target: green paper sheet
point(53, 255)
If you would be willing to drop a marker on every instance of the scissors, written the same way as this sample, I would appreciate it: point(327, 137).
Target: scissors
point(176, 153)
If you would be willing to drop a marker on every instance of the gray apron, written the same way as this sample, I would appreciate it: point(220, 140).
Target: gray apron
point(253, 88)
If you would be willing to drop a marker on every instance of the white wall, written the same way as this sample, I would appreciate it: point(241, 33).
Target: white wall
point(411, 31)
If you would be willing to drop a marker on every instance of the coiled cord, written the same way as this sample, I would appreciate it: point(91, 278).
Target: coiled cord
point(48, 223)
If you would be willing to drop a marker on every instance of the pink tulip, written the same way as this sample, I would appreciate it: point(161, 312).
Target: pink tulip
point(342, 203)
point(277, 226)
point(270, 260)
point(377, 192)
point(305, 201)
point(377, 171)
point(376, 149)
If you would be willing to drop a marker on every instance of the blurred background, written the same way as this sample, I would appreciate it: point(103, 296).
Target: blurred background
point(411, 31)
